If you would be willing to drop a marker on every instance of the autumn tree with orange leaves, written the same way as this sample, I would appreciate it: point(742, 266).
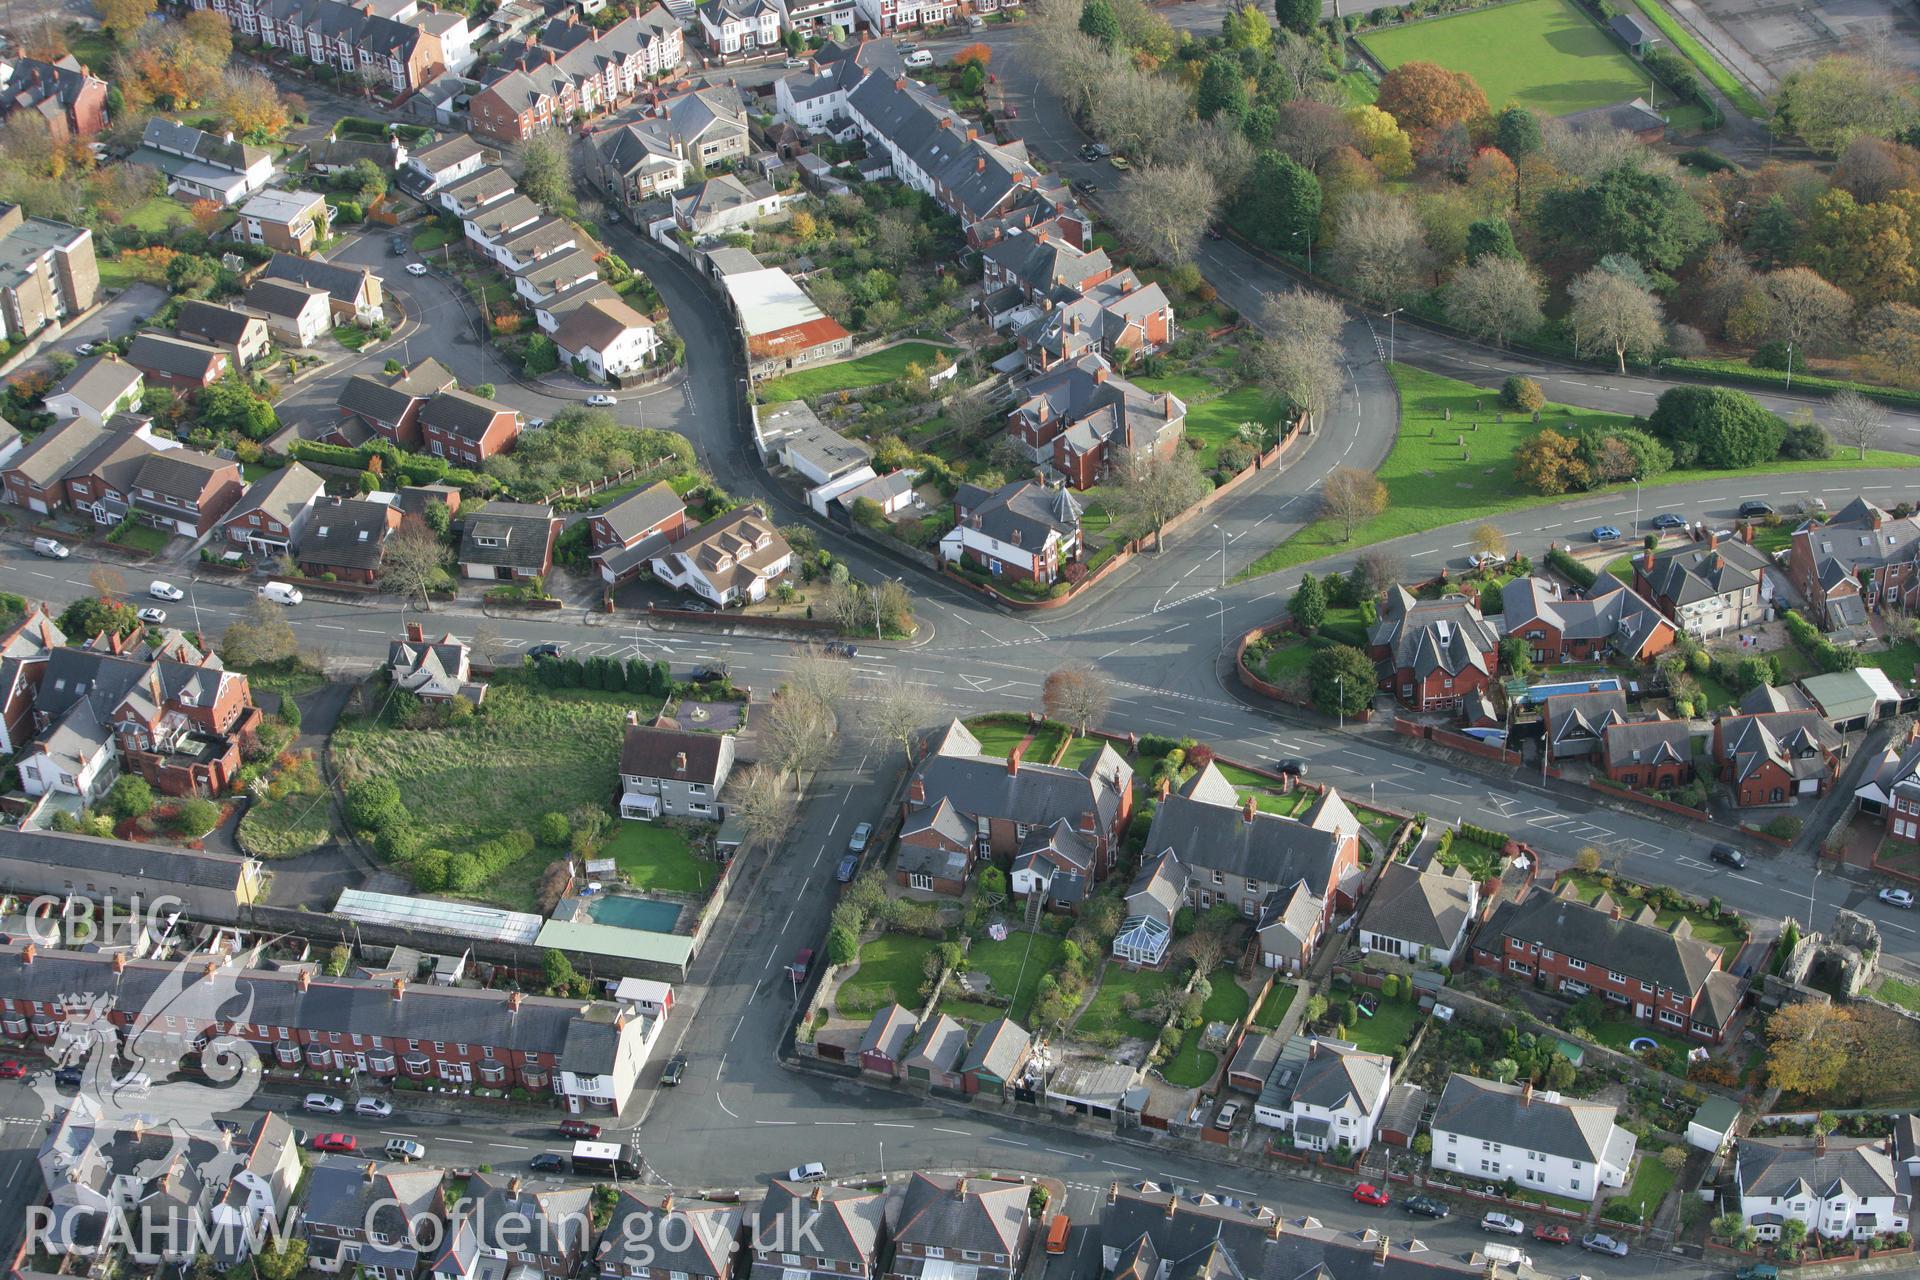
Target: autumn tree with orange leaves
point(1424, 95)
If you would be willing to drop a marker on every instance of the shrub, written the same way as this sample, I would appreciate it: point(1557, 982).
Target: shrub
point(130, 797)
point(196, 816)
point(373, 804)
point(1785, 827)
point(553, 829)
point(1523, 394)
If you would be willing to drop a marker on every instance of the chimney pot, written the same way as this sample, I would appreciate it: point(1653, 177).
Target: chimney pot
point(371, 1170)
point(819, 1193)
point(1173, 1206)
point(1713, 540)
point(679, 762)
point(28, 952)
point(119, 962)
point(513, 1000)
point(513, 1186)
point(303, 980)
point(1526, 1094)
point(399, 988)
point(1247, 811)
point(1013, 760)
point(1100, 374)
point(960, 1187)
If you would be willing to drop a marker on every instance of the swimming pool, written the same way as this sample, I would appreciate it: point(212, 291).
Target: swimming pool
point(635, 913)
point(1599, 684)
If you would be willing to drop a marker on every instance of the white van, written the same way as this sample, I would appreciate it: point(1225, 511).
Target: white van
point(1506, 1255)
point(282, 593)
point(919, 58)
point(49, 548)
point(134, 1083)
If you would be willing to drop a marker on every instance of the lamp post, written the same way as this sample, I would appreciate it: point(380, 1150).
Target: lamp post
point(1789, 366)
point(1391, 324)
point(1309, 234)
point(1341, 682)
point(1223, 585)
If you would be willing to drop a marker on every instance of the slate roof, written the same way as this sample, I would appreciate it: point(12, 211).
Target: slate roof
point(940, 817)
point(508, 1213)
point(39, 85)
point(1336, 1076)
point(939, 1047)
point(350, 533)
point(1425, 908)
point(342, 284)
point(1671, 957)
point(1099, 407)
point(649, 752)
point(463, 414)
point(122, 861)
point(1692, 574)
point(527, 528)
point(1610, 611)
point(1789, 1168)
point(344, 1191)
point(478, 189)
point(280, 494)
point(1433, 635)
point(843, 1224)
point(997, 1049)
point(210, 322)
point(1799, 742)
point(171, 136)
point(1022, 512)
point(889, 1032)
point(98, 383)
point(49, 457)
point(971, 1215)
point(641, 510)
point(1659, 741)
point(1584, 716)
point(284, 298)
point(676, 1234)
point(1210, 834)
point(181, 474)
point(1158, 888)
point(446, 153)
point(1506, 1113)
point(983, 786)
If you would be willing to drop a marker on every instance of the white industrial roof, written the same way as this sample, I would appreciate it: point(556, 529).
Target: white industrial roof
point(769, 300)
point(464, 919)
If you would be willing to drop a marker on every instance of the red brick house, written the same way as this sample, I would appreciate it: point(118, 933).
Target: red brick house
point(1610, 619)
point(1433, 653)
point(176, 362)
point(626, 534)
point(1851, 566)
point(467, 429)
point(1087, 423)
point(185, 491)
point(1775, 757)
point(1664, 977)
point(272, 514)
point(1648, 755)
point(347, 537)
point(389, 406)
point(24, 652)
point(935, 850)
point(64, 94)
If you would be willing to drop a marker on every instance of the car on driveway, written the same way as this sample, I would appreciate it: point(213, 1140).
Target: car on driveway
point(849, 867)
point(151, 614)
point(165, 591)
point(1753, 508)
point(1727, 855)
point(340, 1142)
point(1425, 1207)
point(1605, 533)
point(600, 400)
point(1668, 520)
point(548, 1162)
point(1504, 1224)
point(378, 1108)
point(1367, 1193)
point(676, 1070)
point(857, 842)
point(1552, 1233)
point(1897, 897)
point(1598, 1243)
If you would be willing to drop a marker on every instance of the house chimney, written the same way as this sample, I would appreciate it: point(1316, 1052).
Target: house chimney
point(1313, 1048)
point(819, 1193)
point(1613, 912)
point(1013, 760)
point(1713, 540)
point(119, 962)
point(917, 789)
point(1646, 560)
point(513, 1001)
point(415, 632)
point(1526, 1094)
point(303, 980)
point(1166, 788)
point(513, 1187)
point(980, 162)
point(1113, 1192)
point(633, 719)
point(28, 952)
point(960, 1187)
point(1100, 374)
point(1247, 810)
point(1746, 531)
point(399, 988)
point(1380, 1251)
point(1173, 1206)
point(679, 762)
point(209, 969)
point(370, 1172)
point(1089, 822)
point(1819, 1143)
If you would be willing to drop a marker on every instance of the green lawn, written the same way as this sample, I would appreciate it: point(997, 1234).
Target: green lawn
point(1387, 1029)
point(997, 737)
point(1381, 824)
point(296, 823)
point(1619, 1033)
point(892, 967)
point(1105, 1015)
point(1904, 994)
point(157, 213)
point(1483, 861)
point(528, 751)
point(1703, 60)
point(1193, 1066)
point(1431, 482)
point(1080, 750)
point(1543, 54)
point(1215, 418)
point(431, 237)
point(1651, 1182)
point(1274, 1008)
point(850, 375)
point(1898, 662)
point(140, 537)
point(1015, 967)
point(1287, 806)
point(1705, 928)
point(654, 855)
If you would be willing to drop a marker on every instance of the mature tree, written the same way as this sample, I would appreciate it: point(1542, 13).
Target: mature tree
point(230, 405)
point(1300, 17)
point(1872, 169)
point(1310, 131)
point(253, 106)
point(1152, 490)
point(414, 562)
point(1350, 496)
point(1839, 98)
point(1492, 236)
point(1805, 311)
point(1425, 95)
point(1493, 181)
point(1301, 62)
point(261, 636)
point(1807, 1047)
point(1378, 246)
point(123, 19)
point(1890, 335)
point(1098, 21)
point(896, 238)
point(1308, 605)
point(1489, 539)
point(1223, 87)
point(1146, 118)
point(1550, 463)
point(1379, 137)
point(1281, 207)
point(284, 1261)
point(210, 32)
point(1341, 680)
point(129, 797)
point(1613, 312)
point(1376, 569)
point(1647, 216)
point(1716, 427)
point(1856, 421)
point(1866, 249)
point(1623, 453)
point(1495, 297)
point(895, 711)
point(1516, 131)
point(821, 677)
point(546, 168)
point(1077, 696)
point(1164, 210)
point(798, 733)
point(1300, 360)
point(759, 797)
point(1221, 149)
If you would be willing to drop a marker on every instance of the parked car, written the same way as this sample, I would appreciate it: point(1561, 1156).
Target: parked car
point(857, 842)
point(165, 591)
point(811, 1172)
point(709, 674)
point(378, 1108)
point(134, 1082)
point(802, 963)
point(1486, 559)
point(1605, 533)
point(1367, 1193)
point(1425, 1207)
point(676, 1070)
point(69, 1077)
point(919, 58)
point(1062, 1226)
point(398, 246)
point(1758, 1271)
point(50, 549)
point(1727, 855)
point(1227, 1115)
point(1552, 1233)
point(600, 400)
point(1753, 508)
point(1095, 151)
point(581, 1130)
point(1897, 897)
point(151, 614)
point(416, 269)
point(282, 593)
point(1504, 1224)
point(323, 1103)
point(1668, 520)
point(542, 652)
point(1606, 1244)
point(11, 1069)
point(405, 1150)
point(548, 1162)
point(849, 867)
point(1120, 162)
point(534, 424)
point(1292, 767)
point(344, 1143)
point(87, 348)
point(794, 64)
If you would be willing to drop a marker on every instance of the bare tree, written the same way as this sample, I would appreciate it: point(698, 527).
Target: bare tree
point(1302, 62)
point(1076, 695)
point(107, 583)
point(1495, 297)
point(1803, 310)
point(1206, 947)
point(1377, 569)
point(1378, 245)
point(1221, 150)
point(1351, 496)
point(1300, 317)
point(1855, 420)
point(798, 733)
point(896, 711)
point(261, 636)
point(1309, 132)
point(1152, 490)
point(759, 798)
point(486, 643)
point(824, 679)
point(414, 561)
point(1301, 360)
point(1617, 313)
point(1144, 117)
point(1489, 540)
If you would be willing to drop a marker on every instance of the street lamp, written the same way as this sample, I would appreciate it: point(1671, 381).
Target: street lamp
point(1391, 324)
point(1223, 585)
point(1789, 366)
point(1341, 681)
point(1309, 232)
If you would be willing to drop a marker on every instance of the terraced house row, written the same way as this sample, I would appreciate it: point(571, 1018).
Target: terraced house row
point(571, 70)
point(398, 44)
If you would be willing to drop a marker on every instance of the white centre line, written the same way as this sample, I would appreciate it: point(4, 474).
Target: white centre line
point(883, 1124)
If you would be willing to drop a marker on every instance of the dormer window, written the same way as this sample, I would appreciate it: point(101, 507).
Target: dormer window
point(484, 540)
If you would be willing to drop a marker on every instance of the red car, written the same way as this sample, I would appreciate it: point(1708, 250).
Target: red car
point(1552, 1235)
point(344, 1143)
point(12, 1070)
point(585, 1130)
point(1367, 1193)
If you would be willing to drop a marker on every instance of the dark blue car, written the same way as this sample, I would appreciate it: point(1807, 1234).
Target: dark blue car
point(848, 865)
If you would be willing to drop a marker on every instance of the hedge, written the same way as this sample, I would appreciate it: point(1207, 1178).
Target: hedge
point(1578, 573)
point(1740, 371)
point(1820, 650)
point(409, 467)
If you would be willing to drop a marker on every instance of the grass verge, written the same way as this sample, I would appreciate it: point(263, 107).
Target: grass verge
point(1703, 61)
